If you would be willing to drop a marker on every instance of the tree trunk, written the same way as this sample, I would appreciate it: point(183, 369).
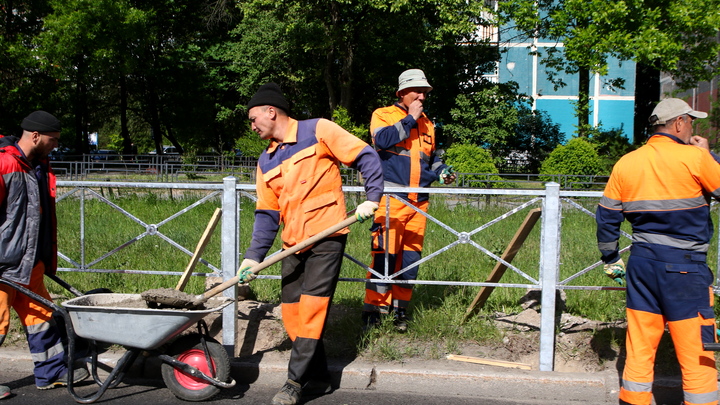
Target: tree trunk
point(647, 94)
point(346, 77)
point(155, 129)
point(582, 108)
point(124, 132)
point(81, 135)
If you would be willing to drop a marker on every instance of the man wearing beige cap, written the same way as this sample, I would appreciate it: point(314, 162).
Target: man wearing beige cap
point(404, 137)
point(663, 189)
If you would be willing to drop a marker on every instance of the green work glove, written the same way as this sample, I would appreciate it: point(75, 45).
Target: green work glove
point(616, 271)
point(447, 175)
point(244, 273)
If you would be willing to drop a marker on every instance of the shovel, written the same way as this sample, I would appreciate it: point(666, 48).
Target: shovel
point(179, 299)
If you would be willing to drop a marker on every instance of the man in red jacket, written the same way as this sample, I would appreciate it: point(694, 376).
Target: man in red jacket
point(28, 244)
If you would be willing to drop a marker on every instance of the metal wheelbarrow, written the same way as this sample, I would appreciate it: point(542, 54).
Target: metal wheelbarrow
point(194, 366)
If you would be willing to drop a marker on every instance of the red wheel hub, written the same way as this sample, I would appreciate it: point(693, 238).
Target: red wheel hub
point(195, 358)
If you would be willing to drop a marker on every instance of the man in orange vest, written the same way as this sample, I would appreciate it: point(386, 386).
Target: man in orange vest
point(663, 189)
point(404, 137)
point(299, 185)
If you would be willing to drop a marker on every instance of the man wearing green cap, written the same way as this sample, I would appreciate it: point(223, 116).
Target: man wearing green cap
point(28, 244)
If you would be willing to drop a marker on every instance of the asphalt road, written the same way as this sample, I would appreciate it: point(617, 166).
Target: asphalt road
point(146, 391)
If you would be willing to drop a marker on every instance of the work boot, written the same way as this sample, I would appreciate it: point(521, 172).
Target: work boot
point(79, 374)
point(289, 394)
point(4, 392)
point(400, 320)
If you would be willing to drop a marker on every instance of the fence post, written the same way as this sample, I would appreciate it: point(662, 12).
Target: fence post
point(229, 260)
point(549, 268)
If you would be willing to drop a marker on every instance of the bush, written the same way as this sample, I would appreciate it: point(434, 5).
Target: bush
point(578, 157)
point(471, 160)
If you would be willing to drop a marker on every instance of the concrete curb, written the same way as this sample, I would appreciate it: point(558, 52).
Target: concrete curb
point(423, 377)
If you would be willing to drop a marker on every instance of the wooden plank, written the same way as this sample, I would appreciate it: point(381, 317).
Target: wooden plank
point(489, 362)
point(499, 269)
point(204, 239)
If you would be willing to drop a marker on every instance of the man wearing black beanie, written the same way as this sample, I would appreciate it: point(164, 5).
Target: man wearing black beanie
point(28, 247)
point(299, 186)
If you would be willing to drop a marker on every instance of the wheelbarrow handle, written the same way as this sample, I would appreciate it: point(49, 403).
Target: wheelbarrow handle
point(276, 258)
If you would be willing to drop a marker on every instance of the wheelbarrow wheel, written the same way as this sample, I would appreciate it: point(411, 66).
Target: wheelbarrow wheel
point(189, 349)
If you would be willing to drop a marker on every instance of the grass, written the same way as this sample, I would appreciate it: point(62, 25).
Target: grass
point(437, 310)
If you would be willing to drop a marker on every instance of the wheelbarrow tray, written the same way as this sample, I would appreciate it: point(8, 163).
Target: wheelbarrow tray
point(102, 317)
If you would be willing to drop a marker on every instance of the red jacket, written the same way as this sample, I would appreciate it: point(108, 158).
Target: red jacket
point(21, 215)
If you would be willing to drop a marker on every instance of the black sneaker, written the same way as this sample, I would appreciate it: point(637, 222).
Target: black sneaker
point(79, 374)
point(289, 394)
point(400, 320)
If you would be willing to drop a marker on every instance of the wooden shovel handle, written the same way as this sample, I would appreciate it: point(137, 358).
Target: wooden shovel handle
point(276, 258)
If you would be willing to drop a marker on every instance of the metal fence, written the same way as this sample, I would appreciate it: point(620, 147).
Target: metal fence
point(546, 277)
point(176, 168)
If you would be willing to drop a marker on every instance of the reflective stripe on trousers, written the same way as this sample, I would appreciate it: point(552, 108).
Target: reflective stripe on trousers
point(42, 334)
point(308, 285)
point(679, 295)
point(404, 244)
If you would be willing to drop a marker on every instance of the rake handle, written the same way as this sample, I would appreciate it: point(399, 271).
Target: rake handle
point(276, 258)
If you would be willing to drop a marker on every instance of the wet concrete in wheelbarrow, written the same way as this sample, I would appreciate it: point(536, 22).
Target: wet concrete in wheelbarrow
point(168, 298)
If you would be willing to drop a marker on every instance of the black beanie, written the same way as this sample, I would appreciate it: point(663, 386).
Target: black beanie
point(41, 121)
point(269, 94)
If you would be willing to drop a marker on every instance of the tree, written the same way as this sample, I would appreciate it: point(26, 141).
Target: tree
point(500, 120)
point(536, 136)
point(675, 36)
point(326, 54)
point(486, 117)
point(132, 61)
point(611, 146)
point(24, 84)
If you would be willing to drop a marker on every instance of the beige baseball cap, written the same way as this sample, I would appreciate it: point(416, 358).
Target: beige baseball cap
point(670, 108)
point(413, 78)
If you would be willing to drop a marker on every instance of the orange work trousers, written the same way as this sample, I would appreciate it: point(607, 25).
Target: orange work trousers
point(679, 295)
point(404, 242)
point(43, 336)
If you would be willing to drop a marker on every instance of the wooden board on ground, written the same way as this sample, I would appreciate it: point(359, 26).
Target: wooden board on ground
point(509, 254)
point(489, 362)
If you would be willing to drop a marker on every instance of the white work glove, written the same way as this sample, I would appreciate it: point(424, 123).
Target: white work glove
point(366, 210)
point(244, 273)
point(616, 271)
